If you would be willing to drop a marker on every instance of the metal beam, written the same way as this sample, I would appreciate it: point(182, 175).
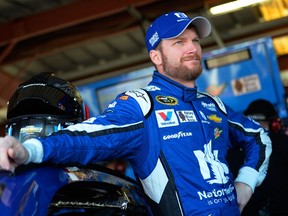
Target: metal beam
point(59, 18)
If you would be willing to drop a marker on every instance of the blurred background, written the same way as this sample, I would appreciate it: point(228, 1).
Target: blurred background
point(99, 46)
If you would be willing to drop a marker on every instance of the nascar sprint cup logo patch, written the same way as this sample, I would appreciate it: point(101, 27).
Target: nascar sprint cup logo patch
point(167, 100)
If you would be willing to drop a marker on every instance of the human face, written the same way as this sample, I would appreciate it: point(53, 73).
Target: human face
point(181, 58)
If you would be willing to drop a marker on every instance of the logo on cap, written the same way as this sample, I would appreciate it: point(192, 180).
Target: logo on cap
point(181, 16)
point(154, 39)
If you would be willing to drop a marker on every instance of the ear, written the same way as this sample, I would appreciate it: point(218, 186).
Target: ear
point(155, 57)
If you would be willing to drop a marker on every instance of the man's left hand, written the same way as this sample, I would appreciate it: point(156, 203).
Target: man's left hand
point(244, 193)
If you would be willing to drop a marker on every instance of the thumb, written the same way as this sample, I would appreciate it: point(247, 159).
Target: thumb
point(18, 154)
point(11, 153)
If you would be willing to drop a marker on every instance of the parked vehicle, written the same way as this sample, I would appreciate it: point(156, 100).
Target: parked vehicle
point(72, 190)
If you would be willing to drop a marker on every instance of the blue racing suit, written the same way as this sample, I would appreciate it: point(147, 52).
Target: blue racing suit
point(176, 139)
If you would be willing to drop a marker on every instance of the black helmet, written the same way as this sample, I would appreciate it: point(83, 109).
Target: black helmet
point(43, 104)
point(261, 110)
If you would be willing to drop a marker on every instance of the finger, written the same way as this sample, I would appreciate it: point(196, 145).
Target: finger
point(20, 154)
point(12, 167)
point(6, 152)
point(4, 159)
point(11, 156)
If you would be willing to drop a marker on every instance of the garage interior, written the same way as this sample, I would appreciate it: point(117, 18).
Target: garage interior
point(88, 40)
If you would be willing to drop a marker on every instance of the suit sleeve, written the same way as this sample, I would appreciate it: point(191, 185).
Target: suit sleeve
point(256, 144)
point(117, 133)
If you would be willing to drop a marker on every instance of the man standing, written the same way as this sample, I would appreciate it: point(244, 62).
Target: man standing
point(175, 137)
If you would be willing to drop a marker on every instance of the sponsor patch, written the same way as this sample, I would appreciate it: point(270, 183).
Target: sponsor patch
point(167, 100)
point(112, 105)
point(124, 97)
point(215, 118)
point(204, 119)
point(186, 116)
point(217, 132)
point(142, 99)
point(210, 106)
point(202, 115)
point(178, 135)
point(152, 88)
point(166, 118)
point(138, 94)
point(154, 39)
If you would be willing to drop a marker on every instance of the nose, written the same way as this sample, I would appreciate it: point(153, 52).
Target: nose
point(193, 47)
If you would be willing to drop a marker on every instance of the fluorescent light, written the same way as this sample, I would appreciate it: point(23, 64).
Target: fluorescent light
point(232, 6)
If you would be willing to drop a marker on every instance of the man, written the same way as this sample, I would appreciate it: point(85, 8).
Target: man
point(175, 138)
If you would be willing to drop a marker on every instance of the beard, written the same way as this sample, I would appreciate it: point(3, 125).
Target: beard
point(180, 71)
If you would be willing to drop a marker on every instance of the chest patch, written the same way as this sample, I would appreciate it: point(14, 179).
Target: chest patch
point(186, 116)
point(167, 100)
point(166, 118)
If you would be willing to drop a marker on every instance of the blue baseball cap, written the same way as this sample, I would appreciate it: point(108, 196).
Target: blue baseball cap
point(173, 24)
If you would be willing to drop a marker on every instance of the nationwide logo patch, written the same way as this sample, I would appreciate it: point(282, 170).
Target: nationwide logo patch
point(167, 100)
point(166, 118)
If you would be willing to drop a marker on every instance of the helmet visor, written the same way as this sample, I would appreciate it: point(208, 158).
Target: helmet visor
point(23, 128)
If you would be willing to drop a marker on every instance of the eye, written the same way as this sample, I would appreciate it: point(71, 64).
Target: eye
point(178, 42)
point(196, 41)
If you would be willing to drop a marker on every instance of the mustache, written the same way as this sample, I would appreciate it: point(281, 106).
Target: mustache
point(191, 57)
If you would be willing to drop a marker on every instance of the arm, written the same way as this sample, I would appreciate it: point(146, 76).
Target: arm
point(256, 144)
point(257, 150)
point(253, 139)
point(117, 133)
point(70, 145)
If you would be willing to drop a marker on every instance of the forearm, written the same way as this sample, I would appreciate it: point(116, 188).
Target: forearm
point(248, 176)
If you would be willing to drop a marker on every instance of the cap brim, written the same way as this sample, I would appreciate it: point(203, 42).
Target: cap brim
point(201, 24)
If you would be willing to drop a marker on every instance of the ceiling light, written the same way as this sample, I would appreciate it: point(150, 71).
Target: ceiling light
point(234, 5)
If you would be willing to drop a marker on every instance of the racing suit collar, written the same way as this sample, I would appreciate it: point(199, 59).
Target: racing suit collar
point(174, 88)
